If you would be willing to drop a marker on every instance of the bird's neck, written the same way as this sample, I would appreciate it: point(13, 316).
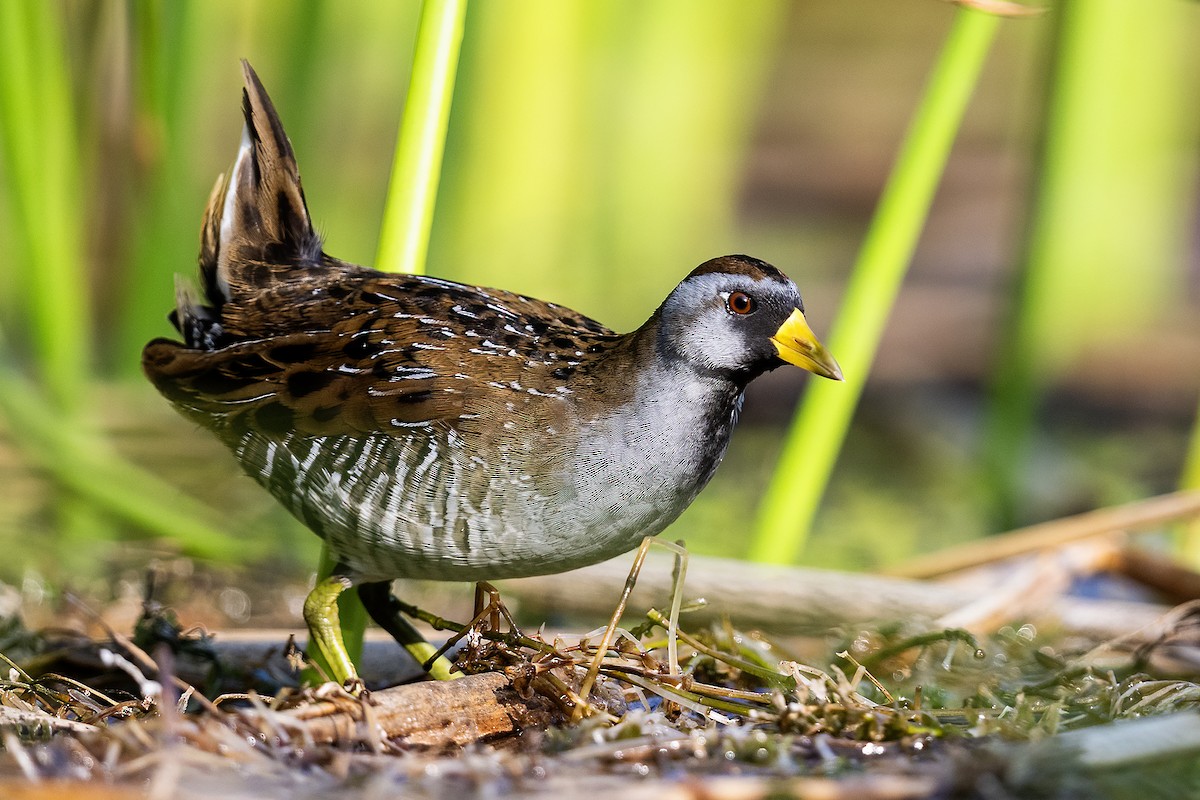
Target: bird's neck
point(661, 386)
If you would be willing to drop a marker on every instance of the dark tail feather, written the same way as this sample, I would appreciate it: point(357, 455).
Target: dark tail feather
point(210, 245)
point(256, 226)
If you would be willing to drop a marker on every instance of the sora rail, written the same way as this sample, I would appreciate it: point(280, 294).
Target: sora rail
point(429, 429)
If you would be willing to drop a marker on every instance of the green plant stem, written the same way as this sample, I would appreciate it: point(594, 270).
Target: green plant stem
point(699, 703)
point(49, 259)
point(1190, 544)
point(1191, 469)
point(817, 433)
point(412, 191)
point(38, 127)
point(170, 70)
point(773, 678)
point(1107, 238)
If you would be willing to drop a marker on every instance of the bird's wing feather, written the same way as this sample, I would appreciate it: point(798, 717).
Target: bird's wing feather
point(368, 352)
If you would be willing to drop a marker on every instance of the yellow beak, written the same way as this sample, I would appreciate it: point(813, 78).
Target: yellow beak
point(798, 345)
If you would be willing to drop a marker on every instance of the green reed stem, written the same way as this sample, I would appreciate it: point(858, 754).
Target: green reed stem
point(820, 426)
point(1190, 543)
point(171, 64)
point(412, 191)
point(37, 124)
point(1111, 214)
point(48, 257)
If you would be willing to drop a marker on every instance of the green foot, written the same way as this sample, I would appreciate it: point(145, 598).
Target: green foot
point(325, 630)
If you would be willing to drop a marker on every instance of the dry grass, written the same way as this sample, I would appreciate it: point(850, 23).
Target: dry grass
point(892, 712)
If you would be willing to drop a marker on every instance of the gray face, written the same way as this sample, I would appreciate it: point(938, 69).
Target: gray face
point(723, 323)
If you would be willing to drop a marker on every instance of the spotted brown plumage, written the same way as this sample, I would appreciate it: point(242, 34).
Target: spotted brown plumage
point(426, 428)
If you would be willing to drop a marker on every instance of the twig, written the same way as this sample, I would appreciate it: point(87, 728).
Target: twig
point(589, 680)
point(431, 713)
point(807, 601)
point(773, 677)
point(1135, 516)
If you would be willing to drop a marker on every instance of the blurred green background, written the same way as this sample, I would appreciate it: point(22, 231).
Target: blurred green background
point(1043, 356)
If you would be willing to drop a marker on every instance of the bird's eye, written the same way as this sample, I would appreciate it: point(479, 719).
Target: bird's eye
point(741, 303)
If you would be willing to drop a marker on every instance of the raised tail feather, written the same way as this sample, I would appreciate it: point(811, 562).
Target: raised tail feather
point(256, 231)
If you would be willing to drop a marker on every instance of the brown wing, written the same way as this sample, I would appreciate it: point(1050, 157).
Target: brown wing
point(371, 352)
point(291, 339)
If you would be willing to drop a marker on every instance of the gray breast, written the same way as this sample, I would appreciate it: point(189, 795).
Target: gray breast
point(637, 469)
point(428, 505)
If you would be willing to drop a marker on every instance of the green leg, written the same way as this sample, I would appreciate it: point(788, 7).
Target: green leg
point(325, 630)
point(385, 610)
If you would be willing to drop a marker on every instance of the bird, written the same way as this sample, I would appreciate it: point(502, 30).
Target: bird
point(426, 428)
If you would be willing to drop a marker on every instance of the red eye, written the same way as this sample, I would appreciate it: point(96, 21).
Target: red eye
point(741, 303)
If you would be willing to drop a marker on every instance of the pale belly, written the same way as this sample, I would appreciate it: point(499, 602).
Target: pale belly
point(427, 507)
